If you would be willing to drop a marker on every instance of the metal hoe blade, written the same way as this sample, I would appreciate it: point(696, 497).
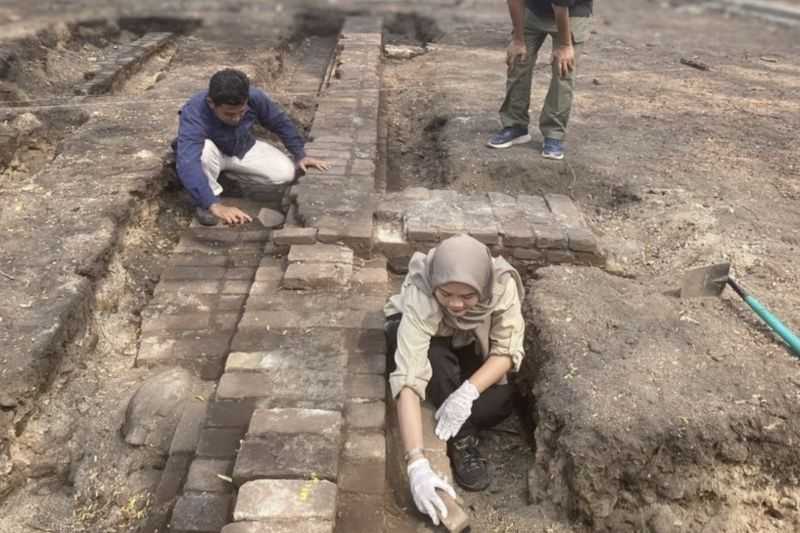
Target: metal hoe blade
point(705, 281)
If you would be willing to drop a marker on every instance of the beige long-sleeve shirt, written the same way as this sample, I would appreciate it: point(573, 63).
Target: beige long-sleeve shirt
point(423, 319)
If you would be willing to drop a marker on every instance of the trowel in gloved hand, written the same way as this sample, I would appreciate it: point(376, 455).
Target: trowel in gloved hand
point(711, 280)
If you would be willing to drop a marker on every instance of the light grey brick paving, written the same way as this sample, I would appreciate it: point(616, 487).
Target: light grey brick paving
point(286, 499)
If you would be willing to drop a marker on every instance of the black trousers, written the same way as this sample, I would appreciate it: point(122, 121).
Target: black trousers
point(451, 367)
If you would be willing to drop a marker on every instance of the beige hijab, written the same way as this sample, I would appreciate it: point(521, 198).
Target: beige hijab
point(463, 259)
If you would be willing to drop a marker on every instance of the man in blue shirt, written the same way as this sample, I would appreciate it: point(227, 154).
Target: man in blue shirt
point(568, 23)
point(214, 136)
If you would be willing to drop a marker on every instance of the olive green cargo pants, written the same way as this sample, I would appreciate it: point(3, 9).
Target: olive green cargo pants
point(558, 102)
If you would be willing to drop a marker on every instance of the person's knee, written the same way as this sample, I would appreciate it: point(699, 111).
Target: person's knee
point(284, 171)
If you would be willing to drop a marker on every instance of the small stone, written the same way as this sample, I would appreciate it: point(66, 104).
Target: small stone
point(270, 218)
point(6, 401)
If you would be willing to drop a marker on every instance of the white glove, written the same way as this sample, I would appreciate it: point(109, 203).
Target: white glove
point(455, 410)
point(424, 482)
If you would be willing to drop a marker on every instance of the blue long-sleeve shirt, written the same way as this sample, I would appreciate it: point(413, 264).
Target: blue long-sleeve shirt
point(198, 123)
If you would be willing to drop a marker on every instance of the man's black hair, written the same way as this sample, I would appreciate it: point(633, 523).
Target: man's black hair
point(229, 86)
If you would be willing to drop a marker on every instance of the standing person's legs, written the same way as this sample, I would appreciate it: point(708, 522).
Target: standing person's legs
point(262, 165)
point(558, 102)
point(519, 78)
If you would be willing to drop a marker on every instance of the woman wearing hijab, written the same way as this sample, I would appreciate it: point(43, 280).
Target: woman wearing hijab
point(454, 332)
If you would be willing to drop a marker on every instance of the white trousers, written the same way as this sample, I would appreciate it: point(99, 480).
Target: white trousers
point(262, 165)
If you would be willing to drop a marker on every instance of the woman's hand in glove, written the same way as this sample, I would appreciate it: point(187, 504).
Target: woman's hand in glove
point(455, 410)
point(424, 482)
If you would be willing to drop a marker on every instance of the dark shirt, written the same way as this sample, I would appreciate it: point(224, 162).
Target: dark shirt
point(577, 8)
point(198, 123)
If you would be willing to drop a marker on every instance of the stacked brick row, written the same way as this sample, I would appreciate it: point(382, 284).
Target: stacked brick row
point(123, 63)
point(341, 203)
point(190, 322)
point(535, 229)
point(309, 365)
point(199, 300)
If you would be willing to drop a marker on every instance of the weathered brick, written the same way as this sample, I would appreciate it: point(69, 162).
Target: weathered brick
point(240, 273)
point(200, 513)
point(163, 349)
point(528, 254)
point(366, 477)
point(188, 287)
point(355, 231)
point(245, 258)
point(550, 237)
point(279, 319)
point(285, 388)
point(367, 363)
point(224, 321)
point(187, 432)
point(287, 456)
point(172, 478)
point(365, 415)
point(267, 499)
point(581, 239)
point(390, 240)
point(263, 288)
point(295, 235)
point(366, 387)
point(320, 253)
point(204, 476)
point(279, 526)
point(367, 446)
point(371, 278)
point(535, 209)
point(193, 272)
point(430, 441)
point(232, 414)
point(220, 443)
point(358, 512)
point(564, 210)
point(514, 227)
point(169, 486)
point(197, 260)
point(290, 420)
point(235, 287)
point(326, 349)
point(316, 275)
point(183, 321)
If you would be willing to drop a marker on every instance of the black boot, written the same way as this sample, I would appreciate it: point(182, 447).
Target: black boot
point(469, 468)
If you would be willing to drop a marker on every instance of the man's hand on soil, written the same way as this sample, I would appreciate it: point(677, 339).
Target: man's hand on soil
point(564, 58)
point(516, 51)
point(309, 162)
point(229, 214)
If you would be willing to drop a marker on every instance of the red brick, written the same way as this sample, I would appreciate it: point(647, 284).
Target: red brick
point(193, 273)
point(550, 237)
point(357, 512)
point(316, 275)
point(366, 387)
point(295, 235)
point(231, 414)
point(220, 443)
point(365, 477)
point(201, 513)
point(204, 476)
point(287, 456)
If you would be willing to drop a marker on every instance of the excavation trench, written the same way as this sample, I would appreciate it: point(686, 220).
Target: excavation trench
point(63, 465)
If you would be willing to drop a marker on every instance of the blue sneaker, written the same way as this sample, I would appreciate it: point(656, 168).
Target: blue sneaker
point(507, 137)
point(552, 149)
